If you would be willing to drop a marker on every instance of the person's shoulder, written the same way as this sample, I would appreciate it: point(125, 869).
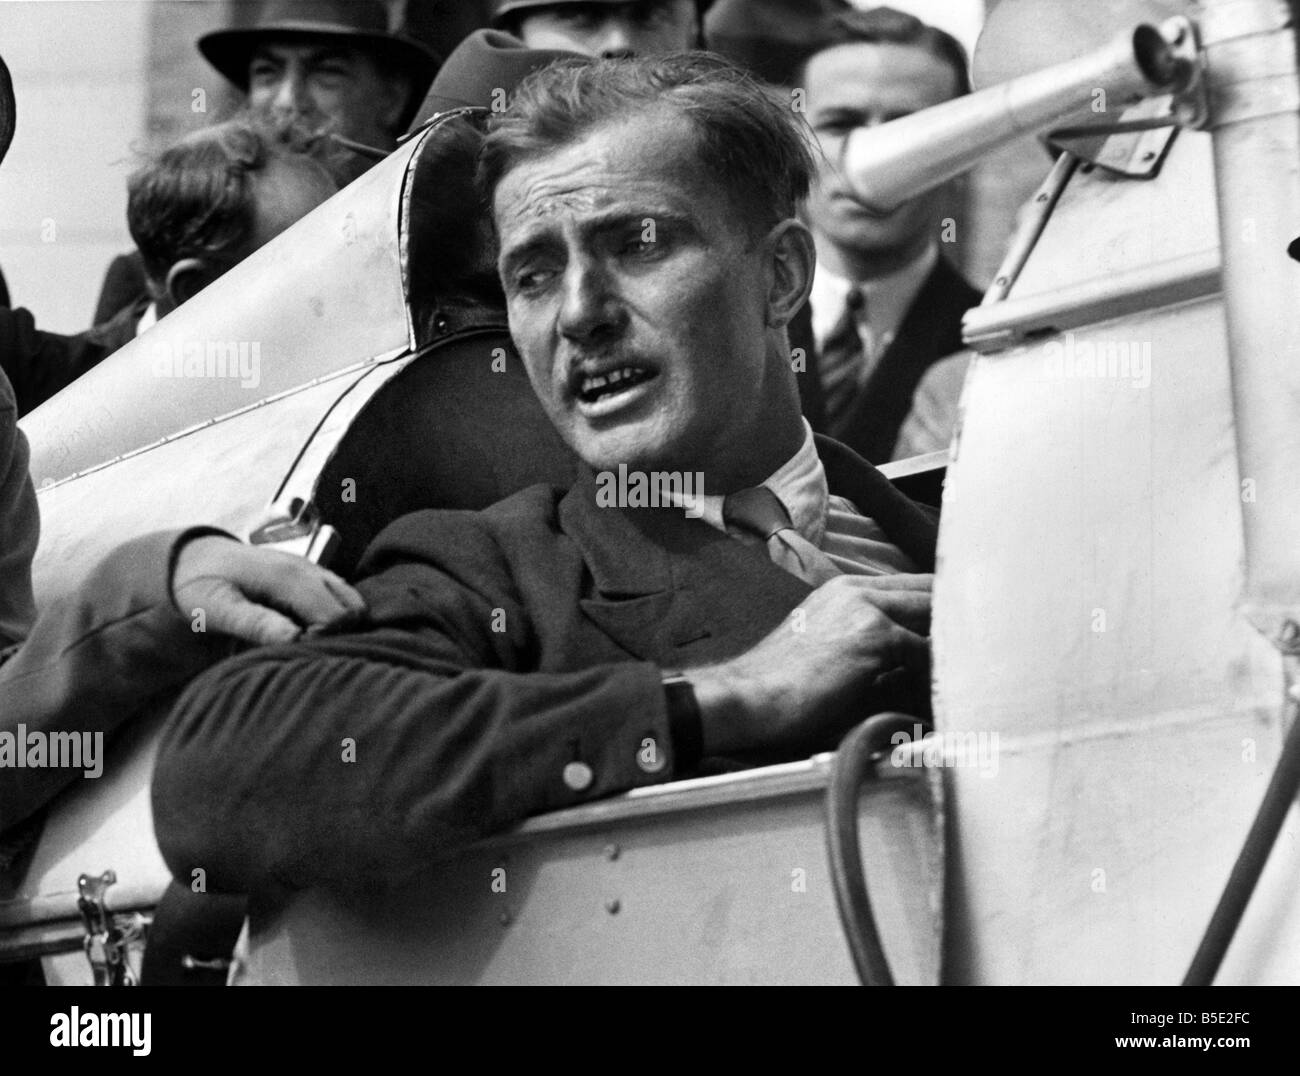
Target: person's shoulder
point(468, 539)
point(949, 278)
point(8, 402)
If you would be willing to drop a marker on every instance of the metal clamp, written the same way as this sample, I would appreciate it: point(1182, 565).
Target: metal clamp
point(106, 940)
point(296, 527)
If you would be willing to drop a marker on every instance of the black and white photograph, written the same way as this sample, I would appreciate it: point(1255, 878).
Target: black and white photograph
point(650, 493)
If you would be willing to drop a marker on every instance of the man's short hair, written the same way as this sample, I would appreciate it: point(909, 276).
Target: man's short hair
point(196, 199)
point(888, 26)
point(750, 140)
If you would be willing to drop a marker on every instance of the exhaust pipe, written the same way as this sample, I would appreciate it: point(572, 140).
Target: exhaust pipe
point(888, 164)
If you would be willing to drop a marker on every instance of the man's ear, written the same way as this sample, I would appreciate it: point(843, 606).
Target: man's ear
point(186, 278)
point(794, 260)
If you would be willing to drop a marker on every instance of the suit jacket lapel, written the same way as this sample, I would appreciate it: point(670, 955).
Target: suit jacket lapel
point(909, 526)
point(672, 589)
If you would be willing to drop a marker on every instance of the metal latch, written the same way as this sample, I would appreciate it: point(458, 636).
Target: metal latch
point(296, 527)
point(107, 937)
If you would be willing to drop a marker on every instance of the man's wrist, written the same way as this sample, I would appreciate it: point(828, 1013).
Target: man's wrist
point(183, 540)
point(725, 713)
point(685, 722)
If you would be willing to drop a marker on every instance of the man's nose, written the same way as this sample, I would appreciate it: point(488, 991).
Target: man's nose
point(291, 94)
point(591, 310)
point(615, 40)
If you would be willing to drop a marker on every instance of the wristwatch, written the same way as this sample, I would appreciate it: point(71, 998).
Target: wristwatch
point(685, 723)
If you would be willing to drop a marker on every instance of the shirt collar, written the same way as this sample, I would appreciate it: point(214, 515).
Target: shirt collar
point(800, 485)
point(888, 297)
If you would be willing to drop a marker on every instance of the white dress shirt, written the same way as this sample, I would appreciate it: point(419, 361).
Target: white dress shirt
point(855, 544)
point(888, 299)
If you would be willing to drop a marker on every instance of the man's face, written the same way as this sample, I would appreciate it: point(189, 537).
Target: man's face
point(861, 85)
point(635, 298)
point(285, 191)
point(639, 28)
point(321, 88)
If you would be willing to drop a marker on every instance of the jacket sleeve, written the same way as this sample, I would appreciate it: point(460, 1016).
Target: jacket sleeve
point(352, 760)
point(19, 526)
point(95, 658)
point(39, 364)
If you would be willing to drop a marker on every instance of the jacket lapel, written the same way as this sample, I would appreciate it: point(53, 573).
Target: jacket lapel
point(909, 526)
point(671, 589)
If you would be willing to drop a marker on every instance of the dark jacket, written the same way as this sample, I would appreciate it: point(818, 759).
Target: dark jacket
point(96, 657)
point(506, 645)
point(19, 525)
point(40, 364)
point(930, 331)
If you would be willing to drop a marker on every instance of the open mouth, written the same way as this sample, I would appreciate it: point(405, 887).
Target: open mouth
point(593, 389)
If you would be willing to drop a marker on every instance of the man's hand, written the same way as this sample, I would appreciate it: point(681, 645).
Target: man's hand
point(259, 595)
point(808, 679)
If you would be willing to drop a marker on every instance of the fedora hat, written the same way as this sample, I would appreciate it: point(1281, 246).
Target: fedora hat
point(486, 62)
point(360, 24)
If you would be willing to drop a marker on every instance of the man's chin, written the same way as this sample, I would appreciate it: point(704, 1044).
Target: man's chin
point(633, 446)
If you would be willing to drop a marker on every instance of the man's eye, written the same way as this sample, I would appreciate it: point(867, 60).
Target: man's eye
point(640, 244)
point(260, 71)
point(530, 280)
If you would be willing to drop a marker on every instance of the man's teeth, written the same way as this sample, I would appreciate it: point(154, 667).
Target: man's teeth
point(598, 384)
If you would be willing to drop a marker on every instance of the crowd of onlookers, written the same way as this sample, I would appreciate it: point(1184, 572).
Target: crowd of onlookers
point(332, 84)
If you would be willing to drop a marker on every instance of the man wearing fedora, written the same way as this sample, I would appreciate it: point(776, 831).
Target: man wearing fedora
point(326, 75)
point(319, 68)
point(604, 28)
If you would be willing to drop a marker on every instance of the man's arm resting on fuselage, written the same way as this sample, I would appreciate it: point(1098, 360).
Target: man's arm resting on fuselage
point(352, 761)
point(96, 657)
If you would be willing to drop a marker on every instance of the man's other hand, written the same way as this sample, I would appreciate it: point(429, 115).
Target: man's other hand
point(811, 678)
point(259, 595)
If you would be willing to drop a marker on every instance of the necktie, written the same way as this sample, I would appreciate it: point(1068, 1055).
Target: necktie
point(843, 359)
point(759, 511)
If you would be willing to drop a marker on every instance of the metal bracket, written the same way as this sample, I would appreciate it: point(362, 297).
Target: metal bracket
point(297, 528)
point(1192, 102)
point(107, 936)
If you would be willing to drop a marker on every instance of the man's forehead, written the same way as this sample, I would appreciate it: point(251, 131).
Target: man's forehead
point(627, 165)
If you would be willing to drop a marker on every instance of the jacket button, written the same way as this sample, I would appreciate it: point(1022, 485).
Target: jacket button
point(578, 776)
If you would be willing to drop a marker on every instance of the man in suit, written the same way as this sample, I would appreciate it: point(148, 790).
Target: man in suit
point(717, 583)
point(885, 303)
point(319, 68)
point(605, 28)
